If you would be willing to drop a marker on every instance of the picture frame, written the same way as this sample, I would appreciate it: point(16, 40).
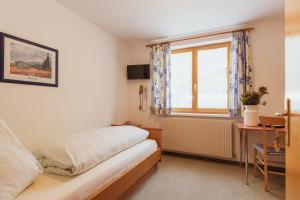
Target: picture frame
point(26, 62)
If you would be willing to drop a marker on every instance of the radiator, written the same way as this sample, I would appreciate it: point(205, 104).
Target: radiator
point(207, 137)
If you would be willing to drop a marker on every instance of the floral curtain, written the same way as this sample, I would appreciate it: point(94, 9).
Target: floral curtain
point(160, 64)
point(240, 79)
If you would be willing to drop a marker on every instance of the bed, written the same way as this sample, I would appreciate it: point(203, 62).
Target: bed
point(113, 179)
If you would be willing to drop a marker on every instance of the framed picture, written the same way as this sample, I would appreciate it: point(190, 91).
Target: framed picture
point(26, 62)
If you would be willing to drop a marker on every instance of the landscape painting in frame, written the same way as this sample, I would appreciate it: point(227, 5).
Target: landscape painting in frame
point(26, 62)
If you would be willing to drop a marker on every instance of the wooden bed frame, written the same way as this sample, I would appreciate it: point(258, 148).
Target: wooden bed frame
point(122, 187)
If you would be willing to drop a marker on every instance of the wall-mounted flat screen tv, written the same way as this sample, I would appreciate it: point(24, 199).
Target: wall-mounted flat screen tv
point(138, 71)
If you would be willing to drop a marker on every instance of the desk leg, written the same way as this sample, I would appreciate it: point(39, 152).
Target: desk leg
point(241, 149)
point(246, 155)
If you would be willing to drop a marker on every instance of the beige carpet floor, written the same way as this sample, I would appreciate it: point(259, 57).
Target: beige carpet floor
point(180, 178)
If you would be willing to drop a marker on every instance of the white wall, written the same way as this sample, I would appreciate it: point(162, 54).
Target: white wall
point(139, 54)
point(92, 88)
point(267, 41)
point(268, 61)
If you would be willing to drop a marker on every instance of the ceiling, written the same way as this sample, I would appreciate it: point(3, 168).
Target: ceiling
point(152, 19)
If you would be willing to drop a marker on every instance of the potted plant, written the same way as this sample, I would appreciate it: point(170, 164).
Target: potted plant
point(251, 100)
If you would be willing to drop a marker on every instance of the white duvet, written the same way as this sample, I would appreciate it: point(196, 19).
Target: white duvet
point(80, 152)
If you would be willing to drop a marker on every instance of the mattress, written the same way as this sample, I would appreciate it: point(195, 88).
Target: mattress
point(50, 187)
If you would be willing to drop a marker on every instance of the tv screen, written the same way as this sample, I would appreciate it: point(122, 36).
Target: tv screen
point(138, 72)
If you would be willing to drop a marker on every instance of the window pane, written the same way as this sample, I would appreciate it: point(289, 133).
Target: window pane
point(212, 78)
point(181, 80)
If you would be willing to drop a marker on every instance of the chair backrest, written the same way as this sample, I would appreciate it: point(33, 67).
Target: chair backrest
point(269, 123)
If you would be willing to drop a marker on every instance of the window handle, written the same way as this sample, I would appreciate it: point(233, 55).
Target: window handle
point(195, 87)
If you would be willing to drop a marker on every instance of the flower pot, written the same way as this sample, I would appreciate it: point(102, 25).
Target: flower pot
point(251, 115)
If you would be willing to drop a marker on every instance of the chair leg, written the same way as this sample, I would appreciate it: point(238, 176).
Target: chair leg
point(255, 163)
point(266, 173)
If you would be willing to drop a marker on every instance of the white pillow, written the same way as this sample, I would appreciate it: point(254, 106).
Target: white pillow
point(18, 167)
point(80, 152)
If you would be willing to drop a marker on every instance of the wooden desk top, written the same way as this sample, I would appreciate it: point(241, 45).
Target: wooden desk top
point(129, 123)
point(240, 125)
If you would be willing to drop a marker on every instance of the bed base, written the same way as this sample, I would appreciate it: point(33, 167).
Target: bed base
point(121, 188)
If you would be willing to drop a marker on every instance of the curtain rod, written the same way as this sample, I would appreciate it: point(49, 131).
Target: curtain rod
point(201, 36)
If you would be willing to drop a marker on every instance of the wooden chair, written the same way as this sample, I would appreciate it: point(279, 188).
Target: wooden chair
point(266, 150)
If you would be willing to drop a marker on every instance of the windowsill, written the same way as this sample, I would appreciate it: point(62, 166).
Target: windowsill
point(175, 114)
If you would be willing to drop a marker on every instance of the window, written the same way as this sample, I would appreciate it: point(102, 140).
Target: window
point(200, 79)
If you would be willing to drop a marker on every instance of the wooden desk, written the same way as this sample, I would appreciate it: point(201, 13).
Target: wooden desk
point(129, 123)
point(244, 130)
